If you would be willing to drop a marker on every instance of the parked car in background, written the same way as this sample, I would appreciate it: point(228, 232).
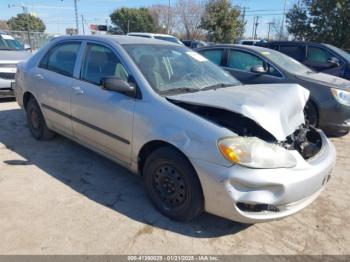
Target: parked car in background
point(11, 52)
point(320, 57)
point(193, 43)
point(163, 37)
point(329, 104)
point(198, 138)
point(249, 41)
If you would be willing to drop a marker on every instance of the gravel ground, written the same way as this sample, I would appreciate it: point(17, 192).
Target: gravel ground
point(57, 197)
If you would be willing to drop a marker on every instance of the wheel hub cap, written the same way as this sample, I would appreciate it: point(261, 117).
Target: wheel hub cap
point(170, 186)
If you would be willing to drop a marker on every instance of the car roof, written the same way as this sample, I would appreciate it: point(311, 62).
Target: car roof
point(250, 40)
point(149, 34)
point(291, 42)
point(120, 39)
point(247, 47)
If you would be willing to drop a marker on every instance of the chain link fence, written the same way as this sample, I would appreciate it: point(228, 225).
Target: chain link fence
point(36, 40)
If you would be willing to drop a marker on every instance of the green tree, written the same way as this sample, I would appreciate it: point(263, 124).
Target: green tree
point(222, 21)
point(3, 25)
point(21, 22)
point(322, 21)
point(133, 20)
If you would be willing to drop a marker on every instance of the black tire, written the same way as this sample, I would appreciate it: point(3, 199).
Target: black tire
point(173, 185)
point(311, 114)
point(36, 121)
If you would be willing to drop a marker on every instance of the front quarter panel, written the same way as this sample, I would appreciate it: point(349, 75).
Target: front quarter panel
point(160, 120)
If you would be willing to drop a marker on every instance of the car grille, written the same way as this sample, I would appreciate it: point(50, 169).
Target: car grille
point(7, 75)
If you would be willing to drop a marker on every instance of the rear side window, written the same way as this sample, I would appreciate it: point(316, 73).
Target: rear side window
point(61, 58)
point(99, 62)
point(294, 51)
point(214, 55)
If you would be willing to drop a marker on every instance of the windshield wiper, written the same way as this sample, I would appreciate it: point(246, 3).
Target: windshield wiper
point(217, 86)
point(179, 90)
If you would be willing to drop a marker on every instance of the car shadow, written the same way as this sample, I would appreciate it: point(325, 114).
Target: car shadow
point(99, 179)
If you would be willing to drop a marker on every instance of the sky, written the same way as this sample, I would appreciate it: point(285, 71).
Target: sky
point(59, 14)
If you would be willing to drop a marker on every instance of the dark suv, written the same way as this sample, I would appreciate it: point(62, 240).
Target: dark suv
point(323, 58)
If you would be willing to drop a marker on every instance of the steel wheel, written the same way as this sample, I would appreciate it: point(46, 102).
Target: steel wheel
point(172, 184)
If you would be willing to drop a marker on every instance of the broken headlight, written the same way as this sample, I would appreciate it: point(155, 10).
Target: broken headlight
point(255, 153)
point(342, 96)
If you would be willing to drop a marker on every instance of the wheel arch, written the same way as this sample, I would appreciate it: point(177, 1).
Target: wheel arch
point(314, 104)
point(150, 147)
point(26, 96)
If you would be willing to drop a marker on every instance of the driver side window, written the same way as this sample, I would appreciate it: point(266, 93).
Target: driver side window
point(244, 61)
point(100, 61)
point(318, 55)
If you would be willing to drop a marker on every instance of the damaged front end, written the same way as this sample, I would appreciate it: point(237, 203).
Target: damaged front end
point(306, 139)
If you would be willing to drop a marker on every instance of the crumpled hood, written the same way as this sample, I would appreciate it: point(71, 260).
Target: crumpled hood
point(6, 55)
point(278, 108)
point(328, 80)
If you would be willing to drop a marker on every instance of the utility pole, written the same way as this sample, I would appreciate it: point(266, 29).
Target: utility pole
point(76, 15)
point(168, 26)
point(82, 24)
point(253, 27)
point(268, 33)
point(256, 27)
point(243, 14)
point(284, 16)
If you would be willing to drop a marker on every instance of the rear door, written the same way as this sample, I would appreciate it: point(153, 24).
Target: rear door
point(240, 63)
point(296, 51)
point(217, 55)
point(101, 118)
point(54, 79)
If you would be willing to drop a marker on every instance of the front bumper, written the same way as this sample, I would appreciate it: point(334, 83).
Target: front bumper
point(334, 117)
point(288, 189)
point(6, 89)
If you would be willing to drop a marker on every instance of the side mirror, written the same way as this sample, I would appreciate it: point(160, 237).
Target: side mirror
point(334, 62)
point(258, 69)
point(116, 84)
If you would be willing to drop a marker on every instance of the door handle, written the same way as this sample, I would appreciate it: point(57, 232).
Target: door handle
point(77, 90)
point(39, 76)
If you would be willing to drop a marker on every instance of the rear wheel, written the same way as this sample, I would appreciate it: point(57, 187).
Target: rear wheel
point(36, 122)
point(311, 114)
point(172, 184)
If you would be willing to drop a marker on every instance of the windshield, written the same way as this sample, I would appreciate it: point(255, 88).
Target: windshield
point(7, 42)
point(341, 52)
point(285, 62)
point(176, 68)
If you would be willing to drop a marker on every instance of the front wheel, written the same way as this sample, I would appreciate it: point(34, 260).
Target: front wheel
point(173, 185)
point(36, 121)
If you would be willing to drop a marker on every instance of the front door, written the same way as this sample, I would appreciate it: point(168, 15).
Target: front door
point(318, 59)
point(103, 119)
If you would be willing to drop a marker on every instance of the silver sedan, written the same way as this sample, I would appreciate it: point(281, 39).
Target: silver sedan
point(200, 140)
